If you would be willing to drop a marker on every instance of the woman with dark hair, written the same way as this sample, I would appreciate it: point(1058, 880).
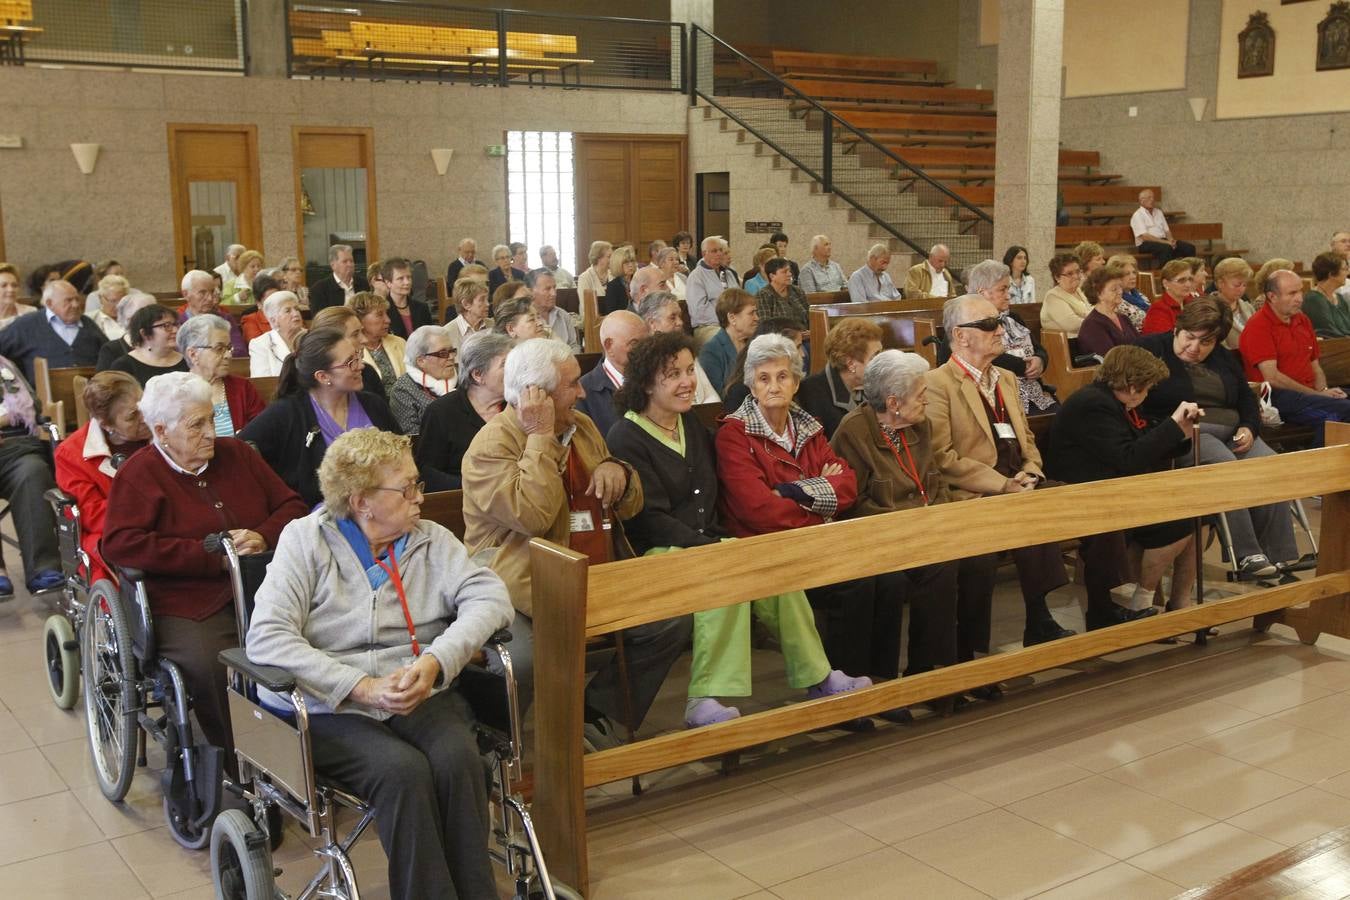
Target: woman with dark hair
point(683, 242)
point(319, 397)
point(154, 345)
point(1022, 288)
point(780, 298)
point(1064, 306)
point(1106, 326)
point(1329, 313)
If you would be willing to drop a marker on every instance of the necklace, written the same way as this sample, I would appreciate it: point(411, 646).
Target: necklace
point(673, 432)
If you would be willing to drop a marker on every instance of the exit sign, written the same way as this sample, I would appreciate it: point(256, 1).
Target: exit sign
point(763, 227)
point(495, 150)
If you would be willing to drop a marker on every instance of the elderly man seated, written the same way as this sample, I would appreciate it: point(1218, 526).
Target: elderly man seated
point(468, 255)
point(1152, 234)
point(549, 257)
point(619, 332)
point(932, 278)
point(200, 297)
point(340, 284)
point(541, 469)
point(871, 281)
point(58, 333)
point(705, 284)
point(820, 273)
point(229, 269)
point(661, 311)
point(544, 296)
point(25, 475)
point(1279, 346)
point(984, 446)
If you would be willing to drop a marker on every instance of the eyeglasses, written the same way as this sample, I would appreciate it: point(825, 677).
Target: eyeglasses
point(354, 364)
point(992, 323)
point(168, 326)
point(410, 491)
point(442, 354)
point(216, 348)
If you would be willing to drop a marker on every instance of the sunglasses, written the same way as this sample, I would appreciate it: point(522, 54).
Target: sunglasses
point(442, 354)
point(992, 323)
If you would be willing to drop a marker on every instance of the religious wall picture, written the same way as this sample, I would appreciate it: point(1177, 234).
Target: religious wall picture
point(1256, 47)
point(1333, 38)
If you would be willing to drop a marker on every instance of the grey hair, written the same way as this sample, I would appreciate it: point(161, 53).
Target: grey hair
point(892, 373)
point(546, 248)
point(271, 307)
point(953, 313)
point(500, 248)
point(650, 306)
point(191, 276)
point(286, 261)
point(818, 240)
point(936, 247)
point(336, 249)
point(711, 241)
point(664, 252)
point(127, 306)
point(49, 289)
point(533, 362)
point(235, 249)
point(477, 353)
point(984, 275)
point(166, 395)
point(878, 250)
point(195, 331)
point(419, 342)
point(767, 348)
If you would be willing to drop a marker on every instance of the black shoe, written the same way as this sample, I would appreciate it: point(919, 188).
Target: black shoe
point(1116, 615)
point(989, 692)
point(858, 726)
point(900, 715)
point(1045, 630)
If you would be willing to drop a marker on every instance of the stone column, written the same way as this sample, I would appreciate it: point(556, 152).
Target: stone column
point(691, 13)
point(1026, 174)
point(267, 39)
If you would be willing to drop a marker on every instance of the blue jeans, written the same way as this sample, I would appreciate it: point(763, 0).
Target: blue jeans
point(1298, 408)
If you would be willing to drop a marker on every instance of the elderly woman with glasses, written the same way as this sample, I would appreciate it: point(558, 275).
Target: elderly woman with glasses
point(1064, 307)
point(165, 499)
point(387, 720)
point(204, 342)
point(154, 337)
point(503, 269)
point(450, 422)
point(319, 398)
point(291, 273)
point(430, 373)
point(269, 350)
point(1022, 354)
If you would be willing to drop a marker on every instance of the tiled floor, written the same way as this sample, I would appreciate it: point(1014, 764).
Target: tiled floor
point(1135, 776)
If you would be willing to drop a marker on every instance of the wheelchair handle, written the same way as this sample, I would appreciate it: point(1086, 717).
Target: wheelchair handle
point(215, 543)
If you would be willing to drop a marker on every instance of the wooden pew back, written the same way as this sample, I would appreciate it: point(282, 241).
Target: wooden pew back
point(1060, 370)
point(445, 508)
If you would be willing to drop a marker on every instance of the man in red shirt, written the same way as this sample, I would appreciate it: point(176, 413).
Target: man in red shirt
point(1279, 346)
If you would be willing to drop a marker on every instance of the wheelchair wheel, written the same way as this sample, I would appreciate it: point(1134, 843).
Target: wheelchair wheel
point(187, 836)
point(241, 863)
point(63, 660)
point(109, 691)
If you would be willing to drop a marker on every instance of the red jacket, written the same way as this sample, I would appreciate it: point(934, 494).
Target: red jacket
point(254, 324)
point(1162, 315)
point(158, 516)
point(84, 470)
point(749, 467)
point(244, 401)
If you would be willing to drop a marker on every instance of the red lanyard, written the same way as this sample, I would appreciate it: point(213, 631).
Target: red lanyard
point(1138, 421)
point(1000, 415)
point(402, 598)
point(913, 470)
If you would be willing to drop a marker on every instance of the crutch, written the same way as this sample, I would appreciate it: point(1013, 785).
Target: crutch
point(1202, 633)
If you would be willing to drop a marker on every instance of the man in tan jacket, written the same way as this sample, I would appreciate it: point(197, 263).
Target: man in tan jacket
point(541, 469)
point(983, 445)
point(932, 278)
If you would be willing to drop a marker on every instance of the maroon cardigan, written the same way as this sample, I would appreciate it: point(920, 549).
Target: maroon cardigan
point(244, 401)
point(157, 518)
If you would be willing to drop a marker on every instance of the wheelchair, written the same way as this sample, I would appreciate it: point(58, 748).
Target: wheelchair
point(61, 630)
point(276, 769)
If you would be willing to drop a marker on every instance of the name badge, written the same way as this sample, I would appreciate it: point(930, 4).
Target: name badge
point(582, 521)
point(1004, 431)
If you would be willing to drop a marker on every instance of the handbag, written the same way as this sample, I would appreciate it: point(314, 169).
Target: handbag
point(1270, 416)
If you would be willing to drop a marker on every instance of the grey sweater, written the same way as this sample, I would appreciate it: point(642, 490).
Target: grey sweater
point(316, 616)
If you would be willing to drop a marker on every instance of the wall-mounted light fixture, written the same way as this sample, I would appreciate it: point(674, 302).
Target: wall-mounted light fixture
point(86, 155)
point(441, 157)
point(1198, 105)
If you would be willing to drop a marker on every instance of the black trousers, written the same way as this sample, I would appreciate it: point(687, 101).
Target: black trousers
point(25, 474)
point(195, 647)
point(1040, 569)
point(1105, 565)
point(424, 777)
point(1163, 253)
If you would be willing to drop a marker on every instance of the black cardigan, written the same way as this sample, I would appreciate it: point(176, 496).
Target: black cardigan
point(110, 353)
point(616, 297)
point(286, 433)
point(448, 427)
point(421, 315)
point(825, 396)
point(1092, 440)
point(679, 493)
point(1164, 398)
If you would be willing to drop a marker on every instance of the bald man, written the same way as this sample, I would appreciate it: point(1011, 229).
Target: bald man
point(619, 332)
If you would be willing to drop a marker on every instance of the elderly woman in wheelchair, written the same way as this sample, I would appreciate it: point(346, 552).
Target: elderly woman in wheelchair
point(373, 613)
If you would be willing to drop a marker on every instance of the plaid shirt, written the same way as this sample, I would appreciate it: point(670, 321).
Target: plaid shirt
point(772, 305)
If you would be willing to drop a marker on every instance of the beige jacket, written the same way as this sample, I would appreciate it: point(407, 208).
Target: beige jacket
point(963, 441)
point(514, 491)
point(1063, 311)
point(919, 282)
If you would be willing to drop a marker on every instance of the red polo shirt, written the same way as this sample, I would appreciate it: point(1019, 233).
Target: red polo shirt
point(1292, 344)
point(1162, 315)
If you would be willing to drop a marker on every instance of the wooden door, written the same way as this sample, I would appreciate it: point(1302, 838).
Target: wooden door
point(335, 195)
point(213, 171)
point(630, 189)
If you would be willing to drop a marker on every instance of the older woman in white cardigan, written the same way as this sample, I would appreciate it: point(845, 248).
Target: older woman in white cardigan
point(269, 350)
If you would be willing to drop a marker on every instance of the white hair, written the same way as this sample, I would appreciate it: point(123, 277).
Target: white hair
point(50, 288)
point(127, 306)
point(936, 247)
point(167, 395)
point(892, 373)
point(419, 342)
point(877, 251)
point(271, 307)
point(767, 348)
point(193, 275)
point(954, 313)
point(197, 330)
point(336, 250)
point(533, 362)
point(819, 240)
point(984, 275)
point(477, 352)
point(234, 250)
point(711, 241)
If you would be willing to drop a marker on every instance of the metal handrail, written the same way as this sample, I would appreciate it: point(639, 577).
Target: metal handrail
point(831, 122)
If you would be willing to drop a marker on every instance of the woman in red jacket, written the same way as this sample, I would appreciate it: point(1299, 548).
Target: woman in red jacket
point(84, 461)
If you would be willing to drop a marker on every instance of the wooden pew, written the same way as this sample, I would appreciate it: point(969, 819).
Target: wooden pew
point(1145, 285)
point(880, 122)
point(568, 300)
point(55, 388)
point(445, 508)
point(590, 317)
point(438, 295)
point(817, 297)
point(266, 386)
point(1335, 359)
point(588, 361)
point(1060, 370)
point(825, 88)
point(575, 601)
point(797, 63)
point(81, 411)
point(1069, 235)
point(897, 325)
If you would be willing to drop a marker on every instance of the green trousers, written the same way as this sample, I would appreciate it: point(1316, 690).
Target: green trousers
point(721, 665)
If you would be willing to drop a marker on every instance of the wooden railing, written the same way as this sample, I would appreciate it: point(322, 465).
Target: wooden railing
point(573, 601)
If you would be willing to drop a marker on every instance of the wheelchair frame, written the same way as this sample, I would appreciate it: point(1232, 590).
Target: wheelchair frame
point(62, 629)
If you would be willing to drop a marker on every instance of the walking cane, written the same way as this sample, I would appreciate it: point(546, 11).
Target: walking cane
point(1202, 634)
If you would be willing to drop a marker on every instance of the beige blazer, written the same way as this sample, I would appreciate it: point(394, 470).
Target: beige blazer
point(919, 282)
point(1063, 311)
point(963, 440)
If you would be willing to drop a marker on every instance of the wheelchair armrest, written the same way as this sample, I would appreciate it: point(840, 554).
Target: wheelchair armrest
point(270, 677)
point(1087, 360)
point(58, 498)
point(501, 637)
point(132, 576)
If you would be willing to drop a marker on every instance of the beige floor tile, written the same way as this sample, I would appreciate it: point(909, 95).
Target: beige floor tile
point(895, 813)
point(1274, 695)
point(29, 683)
point(1016, 776)
point(1113, 747)
point(1283, 748)
point(161, 864)
point(46, 724)
point(141, 809)
point(1109, 816)
point(1206, 782)
point(883, 874)
point(1015, 857)
point(26, 773)
point(1192, 721)
point(43, 825)
point(12, 735)
point(1204, 855)
point(1327, 671)
point(777, 841)
point(1329, 715)
point(617, 834)
point(663, 867)
point(71, 761)
point(92, 871)
point(1121, 880)
point(683, 808)
point(1296, 817)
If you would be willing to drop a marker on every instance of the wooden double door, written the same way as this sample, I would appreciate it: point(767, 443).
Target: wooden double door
point(630, 189)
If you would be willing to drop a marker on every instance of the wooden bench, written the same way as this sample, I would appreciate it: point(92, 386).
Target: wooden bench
point(1060, 370)
point(885, 96)
point(55, 389)
point(969, 175)
point(895, 318)
point(445, 508)
point(568, 300)
point(798, 63)
point(575, 601)
point(266, 386)
point(816, 298)
point(1114, 235)
point(1335, 360)
point(983, 157)
point(878, 123)
point(438, 297)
